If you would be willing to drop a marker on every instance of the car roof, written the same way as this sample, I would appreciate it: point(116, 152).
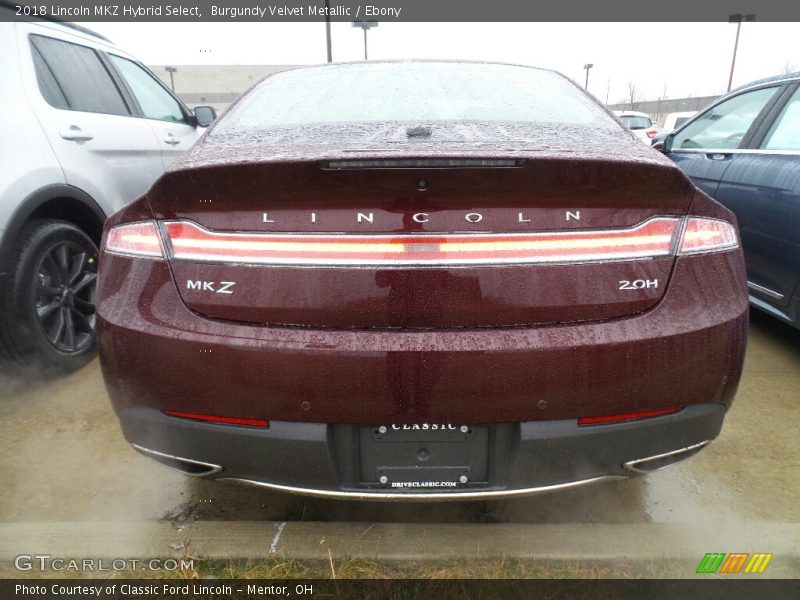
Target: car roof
point(73, 28)
point(773, 78)
point(630, 113)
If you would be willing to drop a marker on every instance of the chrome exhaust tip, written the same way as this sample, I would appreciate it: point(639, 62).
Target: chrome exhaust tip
point(659, 461)
point(187, 466)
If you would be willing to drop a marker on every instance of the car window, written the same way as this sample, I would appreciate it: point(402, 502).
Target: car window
point(81, 78)
point(724, 125)
point(680, 121)
point(155, 101)
point(634, 122)
point(785, 132)
point(48, 85)
point(417, 93)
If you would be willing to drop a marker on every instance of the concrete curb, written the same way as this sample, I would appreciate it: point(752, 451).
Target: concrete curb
point(395, 541)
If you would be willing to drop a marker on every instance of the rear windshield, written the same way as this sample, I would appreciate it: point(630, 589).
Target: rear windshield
point(634, 122)
point(413, 92)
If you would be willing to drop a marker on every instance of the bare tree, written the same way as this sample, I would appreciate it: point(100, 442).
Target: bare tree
point(789, 67)
point(633, 95)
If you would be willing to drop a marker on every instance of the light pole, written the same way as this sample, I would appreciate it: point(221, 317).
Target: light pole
point(328, 29)
point(737, 18)
point(365, 25)
point(587, 66)
point(171, 70)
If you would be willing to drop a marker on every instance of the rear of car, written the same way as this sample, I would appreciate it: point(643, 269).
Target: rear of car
point(420, 280)
point(640, 124)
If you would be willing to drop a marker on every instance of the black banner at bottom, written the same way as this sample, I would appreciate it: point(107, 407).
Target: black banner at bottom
point(400, 589)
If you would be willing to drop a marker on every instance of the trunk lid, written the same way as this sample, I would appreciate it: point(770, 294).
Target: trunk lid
point(382, 243)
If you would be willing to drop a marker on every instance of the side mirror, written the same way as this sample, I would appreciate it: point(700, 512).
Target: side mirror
point(664, 144)
point(668, 143)
point(205, 115)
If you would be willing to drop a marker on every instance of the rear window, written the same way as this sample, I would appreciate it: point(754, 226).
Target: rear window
point(413, 92)
point(634, 122)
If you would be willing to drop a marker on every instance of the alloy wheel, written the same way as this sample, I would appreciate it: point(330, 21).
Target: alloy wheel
point(64, 296)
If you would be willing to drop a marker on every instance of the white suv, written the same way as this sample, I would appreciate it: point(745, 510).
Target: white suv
point(86, 130)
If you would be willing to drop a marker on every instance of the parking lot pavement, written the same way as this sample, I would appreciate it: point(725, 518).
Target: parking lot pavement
point(72, 484)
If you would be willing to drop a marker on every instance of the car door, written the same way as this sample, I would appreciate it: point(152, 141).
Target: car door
point(704, 148)
point(172, 123)
point(762, 186)
point(101, 147)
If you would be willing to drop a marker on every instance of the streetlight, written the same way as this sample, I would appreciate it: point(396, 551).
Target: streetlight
point(737, 18)
point(328, 29)
point(587, 66)
point(171, 70)
point(365, 25)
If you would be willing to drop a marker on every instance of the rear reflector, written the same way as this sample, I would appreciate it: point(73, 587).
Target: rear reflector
point(707, 235)
point(137, 239)
point(218, 419)
point(652, 238)
point(627, 416)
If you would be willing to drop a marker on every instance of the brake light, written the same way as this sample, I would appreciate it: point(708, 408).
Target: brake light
point(707, 235)
point(647, 414)
point(654, 237)
point(136, 239)
point(651, 133)
point(217, 419)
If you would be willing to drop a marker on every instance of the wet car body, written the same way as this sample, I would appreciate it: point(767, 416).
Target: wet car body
point(450, 309)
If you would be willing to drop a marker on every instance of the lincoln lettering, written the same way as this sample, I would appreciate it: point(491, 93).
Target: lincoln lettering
point(368, 218)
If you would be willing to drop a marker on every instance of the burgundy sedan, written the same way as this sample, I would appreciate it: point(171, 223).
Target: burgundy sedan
point(421, 280)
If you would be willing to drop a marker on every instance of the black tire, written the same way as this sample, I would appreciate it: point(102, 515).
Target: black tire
point(47, 316)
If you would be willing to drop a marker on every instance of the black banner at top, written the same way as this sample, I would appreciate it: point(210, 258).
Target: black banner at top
point(400, 10)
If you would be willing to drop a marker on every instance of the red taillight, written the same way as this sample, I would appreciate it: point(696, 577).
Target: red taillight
point(707, 235)
point(627, 416)
point(654, 237)
point(218, 419)
point(651, 133)
point(135, 239)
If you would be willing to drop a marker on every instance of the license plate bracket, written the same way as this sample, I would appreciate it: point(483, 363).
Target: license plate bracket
point(417, 457)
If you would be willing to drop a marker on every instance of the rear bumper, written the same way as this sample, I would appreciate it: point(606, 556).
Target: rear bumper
point(323, 460)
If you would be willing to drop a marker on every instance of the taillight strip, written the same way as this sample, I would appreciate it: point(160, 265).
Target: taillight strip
point(189, 241)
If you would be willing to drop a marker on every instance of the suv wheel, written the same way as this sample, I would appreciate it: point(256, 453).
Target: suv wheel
point(48, 308)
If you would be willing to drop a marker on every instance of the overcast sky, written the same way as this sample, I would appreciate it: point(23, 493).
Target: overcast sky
point(685, 59)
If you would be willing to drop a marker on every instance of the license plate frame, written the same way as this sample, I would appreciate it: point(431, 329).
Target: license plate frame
point(425, 458)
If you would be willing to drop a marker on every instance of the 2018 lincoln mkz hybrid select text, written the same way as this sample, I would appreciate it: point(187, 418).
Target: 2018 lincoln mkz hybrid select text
point(421, 280)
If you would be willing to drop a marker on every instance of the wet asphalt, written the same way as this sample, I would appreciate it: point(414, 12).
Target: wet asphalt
point(63, 460)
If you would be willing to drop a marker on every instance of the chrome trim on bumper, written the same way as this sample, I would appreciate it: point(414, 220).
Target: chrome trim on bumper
point(760, 288)
point(431, 496)
point(151, 454)
point(632, 465)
